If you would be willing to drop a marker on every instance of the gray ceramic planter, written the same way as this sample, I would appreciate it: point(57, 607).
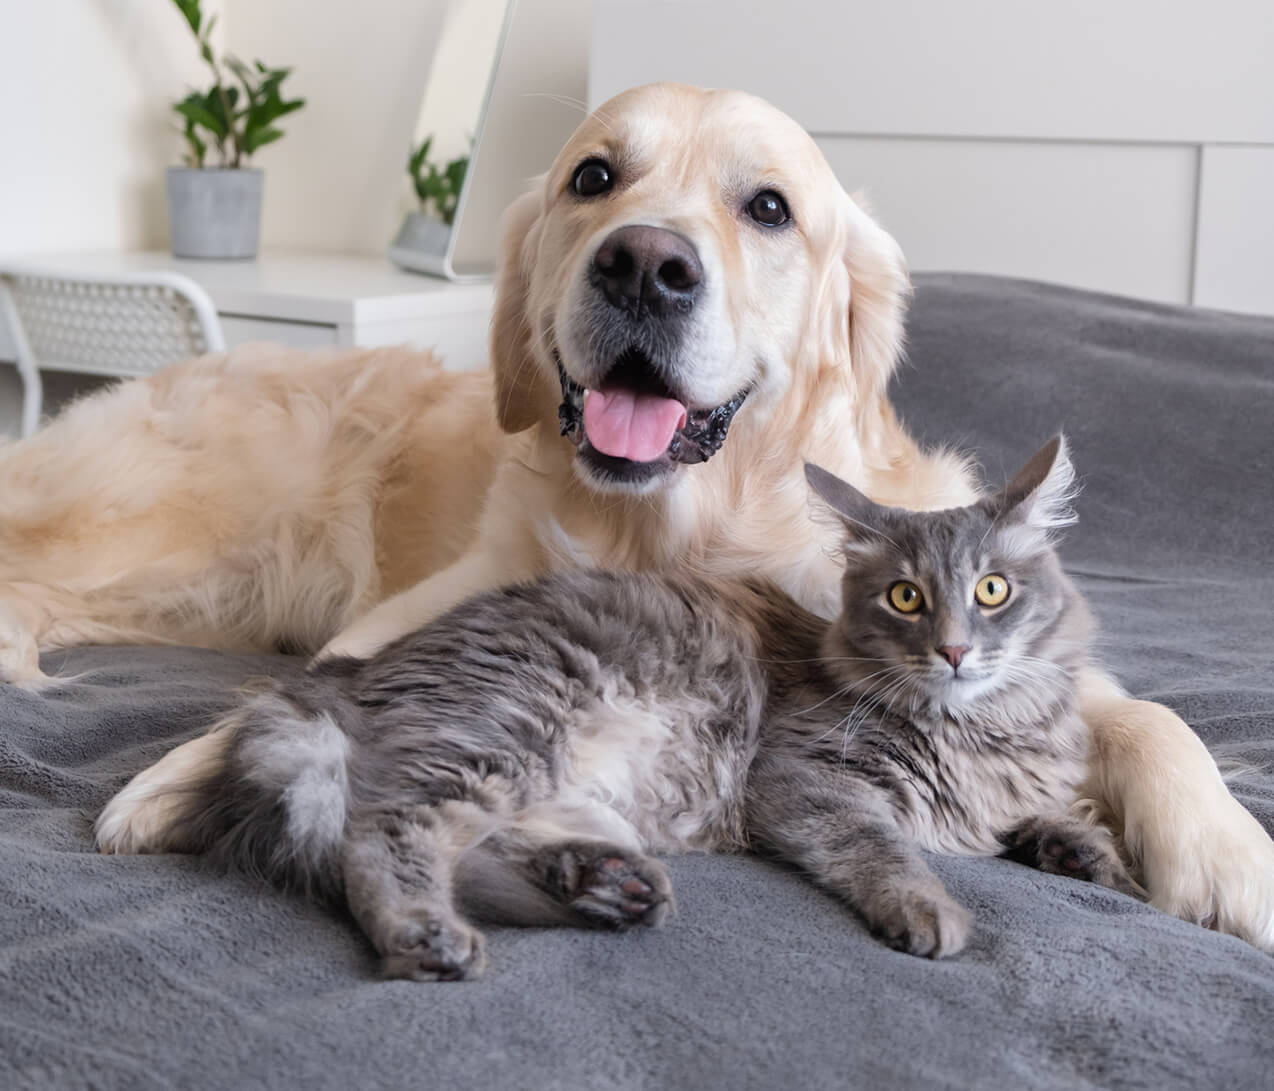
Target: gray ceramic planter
point(214, 212)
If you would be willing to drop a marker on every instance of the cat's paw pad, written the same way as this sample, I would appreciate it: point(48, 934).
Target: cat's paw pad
point(1085, 859)
point(613, 888)
point(922, 921)
point(424, 948)
point(1075, 850)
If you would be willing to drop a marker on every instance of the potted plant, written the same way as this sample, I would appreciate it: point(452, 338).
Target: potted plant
point(214, 209)
point(438, 191)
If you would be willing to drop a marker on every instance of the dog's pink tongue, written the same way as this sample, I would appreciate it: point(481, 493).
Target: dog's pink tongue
point(624, 424)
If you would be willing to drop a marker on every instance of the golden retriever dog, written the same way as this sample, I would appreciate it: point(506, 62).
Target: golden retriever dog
point(689, 307)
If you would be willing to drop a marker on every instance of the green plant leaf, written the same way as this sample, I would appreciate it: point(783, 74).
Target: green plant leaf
point(198, 149)
point(272, 79)
point(218, 101)
point(428, 194)
point(455, 173)
point(196, 110)
point(190, 11)
point(286, 106)
point(437, 189)
point(243, 73)
point(239, 118)
point(261, 114)
point(416, 159)
point(258, 138)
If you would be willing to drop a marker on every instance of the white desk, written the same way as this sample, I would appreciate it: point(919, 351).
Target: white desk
point(311, 300)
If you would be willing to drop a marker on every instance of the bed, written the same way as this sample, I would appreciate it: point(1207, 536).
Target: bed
point(138, 972)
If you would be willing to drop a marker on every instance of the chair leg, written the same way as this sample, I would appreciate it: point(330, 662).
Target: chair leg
point(32, 397)
point(32, 388)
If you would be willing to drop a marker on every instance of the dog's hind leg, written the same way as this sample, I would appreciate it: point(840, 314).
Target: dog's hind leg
point(140, 817)
point(35, 618)
point(20, 628)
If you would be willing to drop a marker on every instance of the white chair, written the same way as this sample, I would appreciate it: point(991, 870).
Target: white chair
point(101, 324)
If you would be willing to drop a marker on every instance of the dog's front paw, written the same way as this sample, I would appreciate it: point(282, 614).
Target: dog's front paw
point(920, 918)
point(1220, 874)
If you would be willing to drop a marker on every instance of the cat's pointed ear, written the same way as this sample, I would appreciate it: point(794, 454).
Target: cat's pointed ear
point(857, 510)
point(1044, 489)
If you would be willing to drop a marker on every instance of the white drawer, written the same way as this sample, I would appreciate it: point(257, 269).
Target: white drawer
point(301, 335)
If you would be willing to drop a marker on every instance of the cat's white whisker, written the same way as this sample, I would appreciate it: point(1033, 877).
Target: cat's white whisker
point(858, 682)
point(874, 699)
point(852, 725)
point(821, 659)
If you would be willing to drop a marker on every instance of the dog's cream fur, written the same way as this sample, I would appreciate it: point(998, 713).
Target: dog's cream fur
point(265, 497)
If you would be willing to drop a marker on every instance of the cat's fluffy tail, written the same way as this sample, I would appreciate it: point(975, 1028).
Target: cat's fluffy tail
point(274, 803)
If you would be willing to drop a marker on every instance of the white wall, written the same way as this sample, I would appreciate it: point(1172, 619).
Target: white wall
point(84, 122)
point(86, 128)
point(1109, 217)
point(1124, 146)
point(338, 180)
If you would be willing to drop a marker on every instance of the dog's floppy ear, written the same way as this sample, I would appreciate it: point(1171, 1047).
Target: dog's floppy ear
point(523, 394)
point(878, 293)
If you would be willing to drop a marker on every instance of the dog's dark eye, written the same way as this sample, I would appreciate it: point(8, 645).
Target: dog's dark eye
point(593, 176)
point(768, 209)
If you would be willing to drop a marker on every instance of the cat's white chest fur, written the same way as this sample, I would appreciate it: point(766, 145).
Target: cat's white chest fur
point(998, 789)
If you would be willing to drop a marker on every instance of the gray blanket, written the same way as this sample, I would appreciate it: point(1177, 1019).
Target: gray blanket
point(120, 972)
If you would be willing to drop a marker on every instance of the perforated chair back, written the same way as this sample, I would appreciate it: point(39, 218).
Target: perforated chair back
point(102, 325)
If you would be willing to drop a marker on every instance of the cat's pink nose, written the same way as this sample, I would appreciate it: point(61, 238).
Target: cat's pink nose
point(953, 653)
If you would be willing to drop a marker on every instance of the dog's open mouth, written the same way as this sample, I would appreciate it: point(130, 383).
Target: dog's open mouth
point(635, 420)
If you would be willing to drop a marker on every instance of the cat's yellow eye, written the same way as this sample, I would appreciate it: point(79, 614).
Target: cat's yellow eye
point(992, 590)
point(905, 597)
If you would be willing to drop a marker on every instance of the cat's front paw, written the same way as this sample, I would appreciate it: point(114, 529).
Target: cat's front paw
point(919, 918)
point(423, 947)
point(1074, 849)
point(610, 887)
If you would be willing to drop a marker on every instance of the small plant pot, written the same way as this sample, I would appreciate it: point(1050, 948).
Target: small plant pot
point(215, 212)
point(419, 234)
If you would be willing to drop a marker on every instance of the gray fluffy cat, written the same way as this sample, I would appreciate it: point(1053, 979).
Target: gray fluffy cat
point(521, 757)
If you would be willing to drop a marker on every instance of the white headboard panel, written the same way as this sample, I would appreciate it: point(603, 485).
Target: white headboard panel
point(1119, 146)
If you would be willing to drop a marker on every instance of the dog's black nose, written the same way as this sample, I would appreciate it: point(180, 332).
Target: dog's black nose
point(648, 267)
